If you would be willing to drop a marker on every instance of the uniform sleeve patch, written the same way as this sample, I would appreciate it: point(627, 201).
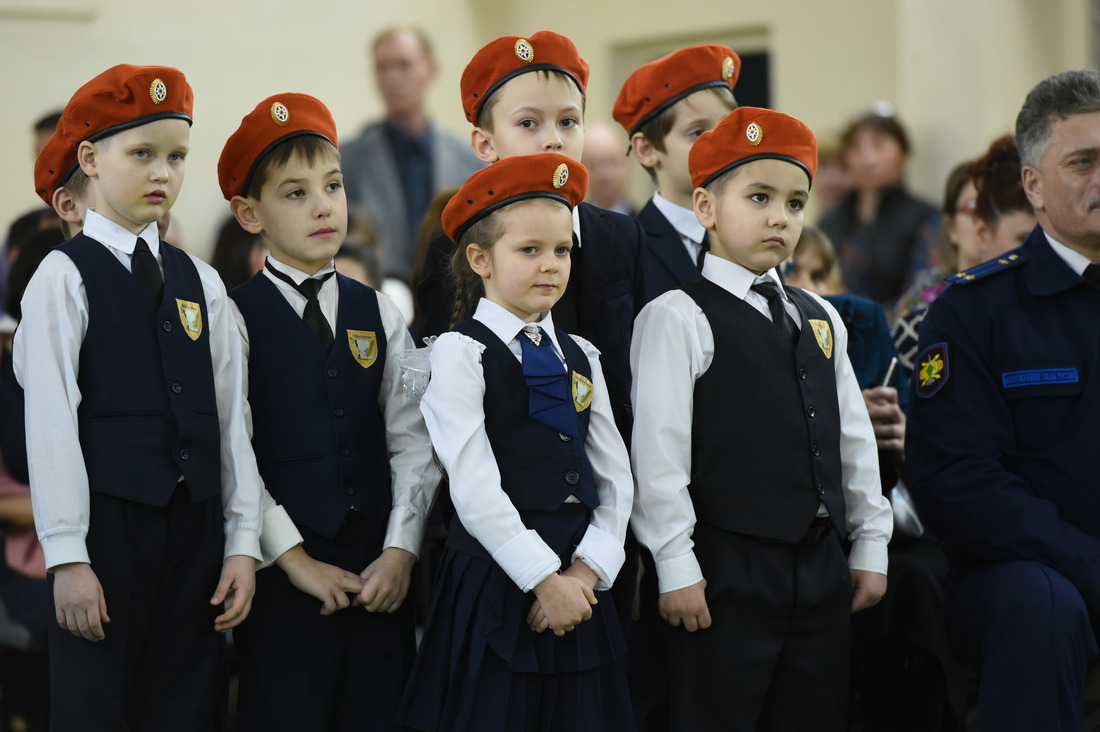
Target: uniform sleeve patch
point(932, 370)
point(1038, 377)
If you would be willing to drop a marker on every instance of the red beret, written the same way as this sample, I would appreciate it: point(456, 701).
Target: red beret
point(274, 120)
point(658, 85)
point(126, 96)
point(510, 56)
point(54, 166)
point(513, 179)
point(748, 134)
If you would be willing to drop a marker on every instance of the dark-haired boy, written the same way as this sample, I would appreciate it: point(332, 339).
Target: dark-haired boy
point(136, 440)
point(338, 444)
point(664, 106)
point(753, 454)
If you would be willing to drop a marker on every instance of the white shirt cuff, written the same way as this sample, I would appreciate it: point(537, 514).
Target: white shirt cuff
point(527, 560)
point(678, 572)
point(65, 547)
point(243, 542)
point(279, 536)
point(869, 555)
point(405, 530)
point(603, 553)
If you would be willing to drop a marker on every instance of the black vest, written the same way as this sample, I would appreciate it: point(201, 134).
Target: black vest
point(318, 432)
point(148, 410)
point(766, 428)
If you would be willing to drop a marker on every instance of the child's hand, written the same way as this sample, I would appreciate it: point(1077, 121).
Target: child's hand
point(386, 581)
point(236, 588)
point(563, 601)
point(887, 419)
point(867, 589)
point(78, 597)
point(536, 618)
point(327, 583)
point(687, 605)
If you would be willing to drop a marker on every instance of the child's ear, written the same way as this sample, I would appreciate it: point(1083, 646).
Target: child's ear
point(478, 259)
point(643, 150)
point(86, 157)
point(703, 203)
point(482, 143)
point(65, 206)
point(244, 211)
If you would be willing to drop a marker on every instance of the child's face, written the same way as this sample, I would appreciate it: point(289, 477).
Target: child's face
point(137, 173)
point(527, 269)
point(757, 218)
point(695, 114)
point(533, 113)
point(302, 212)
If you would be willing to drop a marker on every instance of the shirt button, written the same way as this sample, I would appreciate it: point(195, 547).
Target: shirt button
point(333, 372)
point(167, 325)
point(802, 373)
point(338, 412)
point(811, 412)
point(344, 451)
point(176, 388)
point(184, 455)
point(564, 437)
point(349, 491)
point(572, 477)
point(816, 450)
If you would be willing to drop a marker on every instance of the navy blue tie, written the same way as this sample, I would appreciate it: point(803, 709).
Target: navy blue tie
point(549, 402)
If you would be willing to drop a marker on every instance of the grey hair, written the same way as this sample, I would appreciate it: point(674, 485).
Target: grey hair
point(1058, 97)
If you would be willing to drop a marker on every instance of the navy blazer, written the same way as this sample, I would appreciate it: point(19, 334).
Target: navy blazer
point(665, 259)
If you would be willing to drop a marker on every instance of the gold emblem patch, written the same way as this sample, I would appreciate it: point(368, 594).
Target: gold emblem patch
point(191, 318)
point(754, 134)
point(158, 92)
point(824, 335)
point(525, 52)
point(364, 346)
point(561, 175)
point(582, 392)
point(280, 114)
point(727, 68)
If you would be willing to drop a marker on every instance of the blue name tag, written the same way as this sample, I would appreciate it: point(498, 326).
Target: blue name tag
point(1038, 377)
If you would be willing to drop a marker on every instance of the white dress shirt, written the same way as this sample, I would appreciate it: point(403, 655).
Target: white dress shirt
point(46, 356)
point(686, 224)
point(673, 346)
point(413, 474)
point(454, 411)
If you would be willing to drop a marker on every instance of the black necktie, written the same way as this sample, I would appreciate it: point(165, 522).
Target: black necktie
point(1092, 274)
point(780, 317)
point(144, 266)
point(704, 247)
point(312, 316)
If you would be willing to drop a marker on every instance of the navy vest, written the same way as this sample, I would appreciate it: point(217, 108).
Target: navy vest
point(766, 429)
point(148, 410)
point(318, 431)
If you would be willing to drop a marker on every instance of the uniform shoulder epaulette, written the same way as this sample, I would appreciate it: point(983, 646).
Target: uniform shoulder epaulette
point(983, 270)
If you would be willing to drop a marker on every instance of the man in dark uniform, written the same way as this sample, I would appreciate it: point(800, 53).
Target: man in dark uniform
point(1003, 430)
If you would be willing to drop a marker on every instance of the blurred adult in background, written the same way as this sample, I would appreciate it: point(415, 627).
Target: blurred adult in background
point(986, 214)
point(44, 128)
point(395, 165)
point(883, 234)
point(608, 167)
point(832, 181)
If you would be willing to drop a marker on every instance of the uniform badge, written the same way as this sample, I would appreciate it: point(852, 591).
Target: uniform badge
point(525, 52)
point(754, 134)
point(191, 318)
point(364, 347)
point(824, 335)
point(280, 114)
point(932, 370)
point(727, 68)
point(582, 392)
point(158, 92)
point(561, 175)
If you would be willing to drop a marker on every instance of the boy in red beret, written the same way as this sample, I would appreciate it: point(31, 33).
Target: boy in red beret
point(146, 496)
point(664, 106)
point(520, 637)
point(753, 454)
point(338, 444)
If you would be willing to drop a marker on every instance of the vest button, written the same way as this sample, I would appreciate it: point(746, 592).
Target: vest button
point(564, 437)
point(811, 412)
point(572, 477)
point(344, 452)
point(167, 325)
point(338, 412)
point(333, 372)
point(176, 388)
point(802, 373)
point(184, 455)
point(816, 450)
point(349, 491)
point(820, 489)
